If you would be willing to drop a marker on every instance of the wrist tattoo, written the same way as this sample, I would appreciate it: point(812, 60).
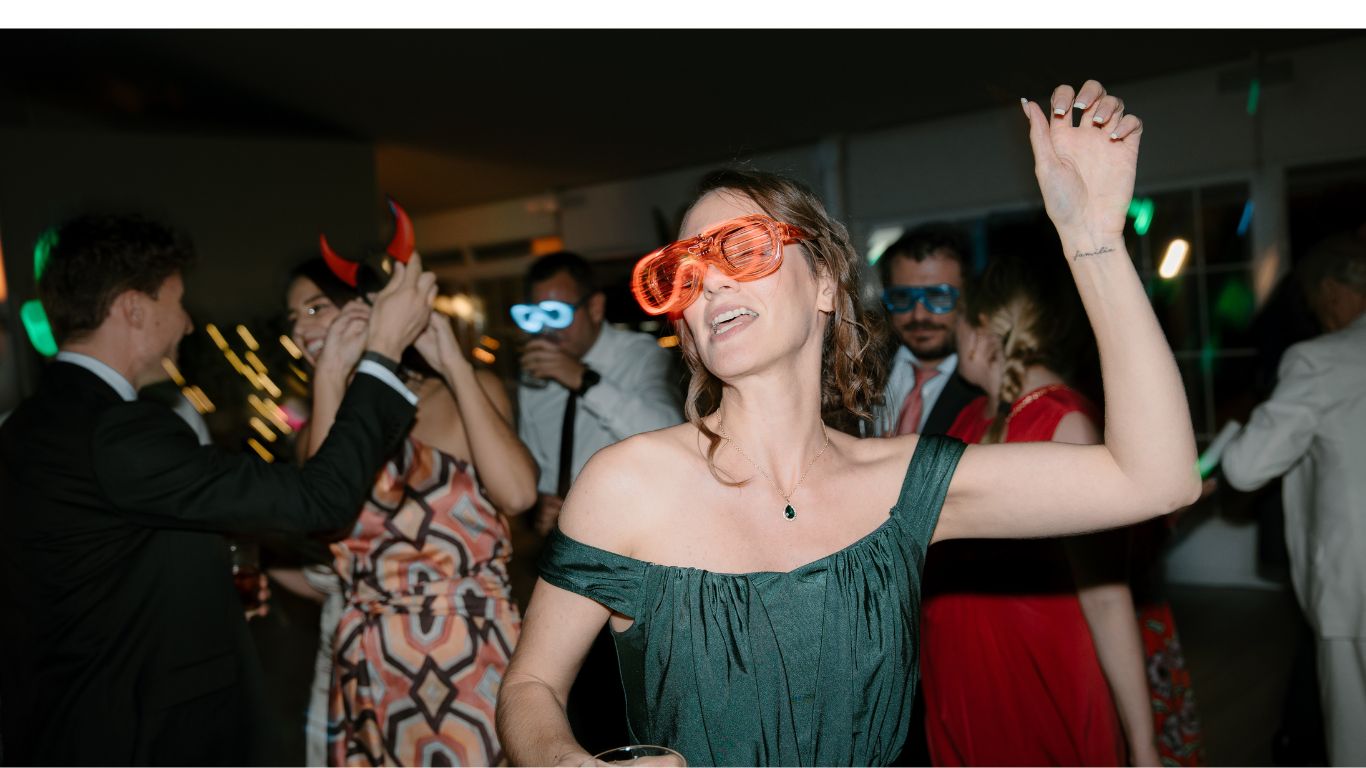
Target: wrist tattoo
point(1103, 249)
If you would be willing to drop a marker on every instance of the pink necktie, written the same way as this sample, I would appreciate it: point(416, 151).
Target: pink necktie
point(914, 403)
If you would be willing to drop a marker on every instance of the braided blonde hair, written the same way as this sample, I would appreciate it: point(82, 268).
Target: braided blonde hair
point(1034, 327)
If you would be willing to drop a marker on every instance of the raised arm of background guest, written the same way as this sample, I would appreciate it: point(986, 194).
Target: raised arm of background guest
point(506, 467)
point(343, 346)
point(1146, 466)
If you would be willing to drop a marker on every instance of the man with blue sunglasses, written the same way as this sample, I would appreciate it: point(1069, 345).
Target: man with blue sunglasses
point(603, 385)
point(922, 278)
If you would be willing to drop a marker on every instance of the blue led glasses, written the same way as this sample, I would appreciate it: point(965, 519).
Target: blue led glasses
point(534, 318)
point(938, 299)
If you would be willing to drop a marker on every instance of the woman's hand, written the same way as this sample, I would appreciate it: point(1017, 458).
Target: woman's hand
point(438, 346)
point(1085, 171)
point(345, 340)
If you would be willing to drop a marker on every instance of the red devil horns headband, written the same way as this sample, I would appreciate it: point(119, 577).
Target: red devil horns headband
point(400, 247)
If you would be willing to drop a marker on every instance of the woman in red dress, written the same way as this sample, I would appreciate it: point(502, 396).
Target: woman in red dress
point(1031, 653)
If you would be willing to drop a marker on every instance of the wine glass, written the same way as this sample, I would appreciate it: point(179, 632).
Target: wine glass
point(246, 571)
point(642, 754)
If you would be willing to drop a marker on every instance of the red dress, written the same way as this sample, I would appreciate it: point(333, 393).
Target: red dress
point(1009, 671)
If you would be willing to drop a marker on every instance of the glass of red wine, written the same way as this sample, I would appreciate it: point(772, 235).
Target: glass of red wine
point(246, 571)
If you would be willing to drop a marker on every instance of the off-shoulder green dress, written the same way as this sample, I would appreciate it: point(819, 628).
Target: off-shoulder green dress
point(814, 666)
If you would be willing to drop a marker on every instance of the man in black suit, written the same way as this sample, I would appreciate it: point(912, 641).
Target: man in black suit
point(922, 279)
point(124, 638)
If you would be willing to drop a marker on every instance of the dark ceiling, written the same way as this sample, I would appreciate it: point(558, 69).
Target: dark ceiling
point(460, 117)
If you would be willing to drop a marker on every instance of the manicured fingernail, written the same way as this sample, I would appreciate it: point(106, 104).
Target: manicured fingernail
point(1098, 119)
point(1059, 111)
point(1114, 135)
point(1079, 105)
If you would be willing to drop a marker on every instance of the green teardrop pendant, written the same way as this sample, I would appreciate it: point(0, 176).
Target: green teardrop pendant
point(789, 512)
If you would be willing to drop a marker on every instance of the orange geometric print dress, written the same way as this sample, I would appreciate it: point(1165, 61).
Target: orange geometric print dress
point(429, 622)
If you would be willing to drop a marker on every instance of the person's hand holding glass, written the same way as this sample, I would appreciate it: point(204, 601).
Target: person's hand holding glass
point(543, 360)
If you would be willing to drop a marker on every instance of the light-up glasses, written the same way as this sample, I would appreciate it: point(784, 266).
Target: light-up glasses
point(938, 299)
point(534, 318)
point(747, 248)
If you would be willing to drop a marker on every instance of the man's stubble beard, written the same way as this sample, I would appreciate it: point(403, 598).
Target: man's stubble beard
point(939, 352)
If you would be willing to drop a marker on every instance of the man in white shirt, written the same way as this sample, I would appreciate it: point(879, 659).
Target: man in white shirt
point(606, 384)
point(1313, 430)
point(922, 278)
point(585, 386)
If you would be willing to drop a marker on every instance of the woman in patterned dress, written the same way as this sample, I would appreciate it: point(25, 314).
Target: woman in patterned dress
point(428, 623)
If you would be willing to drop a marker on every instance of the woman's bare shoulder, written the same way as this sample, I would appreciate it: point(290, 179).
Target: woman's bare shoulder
point(876, 451)
point(610, 502)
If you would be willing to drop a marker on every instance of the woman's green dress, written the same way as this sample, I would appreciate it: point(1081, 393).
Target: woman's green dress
point(814, 666)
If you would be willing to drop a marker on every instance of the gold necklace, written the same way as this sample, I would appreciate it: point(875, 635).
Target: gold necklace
point(1031, 397)
point(789, 512)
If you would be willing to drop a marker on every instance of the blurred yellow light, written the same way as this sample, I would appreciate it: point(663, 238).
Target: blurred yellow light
point(291, 347)
point(203, 399)
point(172, 371)
point(235, 361)
point(483, 355)
point(261, 428)
point(217, 337)
point(198, 399)
point(247, 337)
point(1174, 259)
point(256, 363)
point(260, 450)
point(458, 305)
point(272, 413)
point(269, 385)
point(490, 342)
point(297, 371)
point(668, 341)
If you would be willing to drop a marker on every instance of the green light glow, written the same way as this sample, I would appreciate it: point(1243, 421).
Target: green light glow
point(1235, 305)
point(1143, 219)
point(38, 328)
point(42, 251)
point(1209, 353)
point(1254, 95)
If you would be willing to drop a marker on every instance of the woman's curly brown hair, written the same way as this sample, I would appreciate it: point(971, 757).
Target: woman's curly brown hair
point(853, 368)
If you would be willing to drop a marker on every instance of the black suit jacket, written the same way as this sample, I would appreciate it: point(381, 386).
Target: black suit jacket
point(957, 393)
point(128, 643)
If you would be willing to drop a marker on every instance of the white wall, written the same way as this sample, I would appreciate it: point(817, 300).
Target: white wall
point(964, 165)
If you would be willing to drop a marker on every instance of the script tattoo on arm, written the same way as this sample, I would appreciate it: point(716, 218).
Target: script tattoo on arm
point(1103, 249)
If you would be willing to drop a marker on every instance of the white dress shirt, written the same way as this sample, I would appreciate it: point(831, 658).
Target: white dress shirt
point(113, 378)
point(900, 381)
point(637, 394)
point(1313, 430)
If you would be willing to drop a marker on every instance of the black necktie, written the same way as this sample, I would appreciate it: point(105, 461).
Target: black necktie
point(567, 444)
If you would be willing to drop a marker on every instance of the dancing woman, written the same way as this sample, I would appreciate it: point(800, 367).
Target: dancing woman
point(765, 602)
point(428, 622)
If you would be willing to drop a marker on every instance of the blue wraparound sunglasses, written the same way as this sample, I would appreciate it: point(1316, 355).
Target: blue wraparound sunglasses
point(534, 318)
point(938, 299)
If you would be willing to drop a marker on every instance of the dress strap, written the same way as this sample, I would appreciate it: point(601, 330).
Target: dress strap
point(927, 483)
point(607, 577)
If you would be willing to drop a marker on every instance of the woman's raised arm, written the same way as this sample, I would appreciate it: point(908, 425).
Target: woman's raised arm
point(1146, 466)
